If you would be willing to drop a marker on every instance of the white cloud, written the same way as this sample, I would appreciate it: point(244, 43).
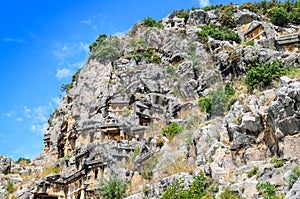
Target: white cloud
point(16, 152)
point(62, 50)
point(63, 73)
point(19, 119)
point(120, 34)
point(204, 3)
point(56, 100)
point(39, 129)
point(13, 40)
point(39, 119)
point(11, 114)
point(84, 46)
point(87, 22)
point(76, 65)
point(27, 112)
point(40, 114)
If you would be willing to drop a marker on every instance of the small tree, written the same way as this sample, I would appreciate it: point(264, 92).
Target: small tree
point(112, 188)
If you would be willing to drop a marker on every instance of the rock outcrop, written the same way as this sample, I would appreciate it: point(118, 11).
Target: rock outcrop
point(5, 164)
point(133, 111)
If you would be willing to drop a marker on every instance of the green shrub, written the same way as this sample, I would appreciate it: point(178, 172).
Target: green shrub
point(250, 43)
point(219, 33)
point(227, 20)
point(107, 48)
point(171, 130)
point(136, 151)
point(204, 104)
point(293, 177)
point(212, 7)
point(229, 194)
point(125, 112)
point(156, 58)
point(171, 70)
point(10, 187)
point(277, 163)
point(294, 16)
point(217, 102)
point(249, 6)
point(50, 170)
point(64, 160)
point(229, 90)
point(160, 141)
point(92, 46)
point(112, 188)
point(252, 172)
point(150, 22)
point(262, 74)
point(279, 17)
point(199, 188)
point(149, 165)
point(268, 191)
point(183, 14)
point(66, 87)
point(23, 161)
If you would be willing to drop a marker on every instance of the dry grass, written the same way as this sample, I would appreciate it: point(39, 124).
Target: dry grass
point(179, 165)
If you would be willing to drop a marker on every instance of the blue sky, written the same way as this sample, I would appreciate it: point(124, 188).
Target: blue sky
point(42, 43)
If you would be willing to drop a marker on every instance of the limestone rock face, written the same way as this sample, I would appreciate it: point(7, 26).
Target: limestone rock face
point(5, 164)
point(294, 193)
point(197, 17)
point(284, 111)
point(244, 16)
point(119, 116)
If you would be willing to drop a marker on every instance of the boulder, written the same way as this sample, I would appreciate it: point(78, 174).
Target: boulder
point(3, 192)
point(252, 124)
point(244, 16)
point(291, 146)
point(284, 110)
point(5, 164)
point(197, 17)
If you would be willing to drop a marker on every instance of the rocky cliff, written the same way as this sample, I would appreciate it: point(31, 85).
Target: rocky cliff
point(171, 101)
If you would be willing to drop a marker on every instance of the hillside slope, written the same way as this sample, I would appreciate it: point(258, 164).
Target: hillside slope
point(173, 101)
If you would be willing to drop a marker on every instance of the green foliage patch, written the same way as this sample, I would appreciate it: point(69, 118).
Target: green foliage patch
point(262, 74)
point(293, 177)
point(222, 33)
point(106, 48)
point(252, 171)
point(23, 160)
point(112, 188)
point(268, 191)
point(66, 87)
point(217, 102)
point(171, 130)
point(277, 162)
point(149, 165)
point(10, 187)
point(199, 188)
point(229, 194)
point(279, 16)
point(150, 22)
